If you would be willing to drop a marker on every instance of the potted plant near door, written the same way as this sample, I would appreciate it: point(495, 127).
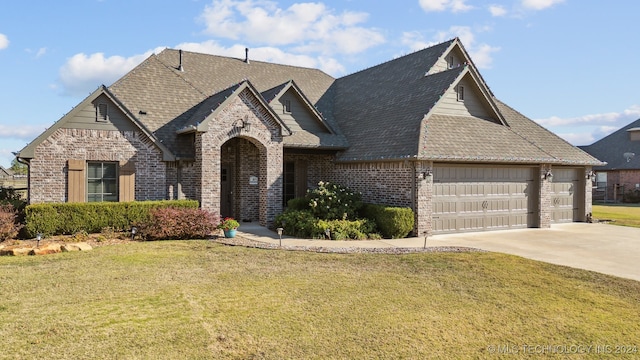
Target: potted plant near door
point(229, 226)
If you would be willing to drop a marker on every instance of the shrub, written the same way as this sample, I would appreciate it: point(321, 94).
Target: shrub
point(176, 223)
point(70, 218)
point(331, 201)
point(299, 223)
point(9, 196)
point(345, 229)
point(392, 222)
point(301, 203)
point(9, 226)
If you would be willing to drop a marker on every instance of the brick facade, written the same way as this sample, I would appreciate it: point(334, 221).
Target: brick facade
point(258, 153)
point(544, 198)
point(48, 168)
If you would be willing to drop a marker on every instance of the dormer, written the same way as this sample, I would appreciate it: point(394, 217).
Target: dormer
point(452, 58)
point(634, 134)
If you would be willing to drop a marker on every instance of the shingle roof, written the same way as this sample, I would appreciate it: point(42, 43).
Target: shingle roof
point(380, 109)
point(557, 148)
point(612, 148)
point(172, 98)
point(462, 138)
point(375, 114)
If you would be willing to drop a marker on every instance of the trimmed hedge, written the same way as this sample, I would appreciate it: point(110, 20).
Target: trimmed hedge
point(392, 222)
point(70, 218)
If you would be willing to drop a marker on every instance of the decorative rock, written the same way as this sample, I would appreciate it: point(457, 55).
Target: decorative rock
point(83, 246)
point(47, 249)
point(15, 252)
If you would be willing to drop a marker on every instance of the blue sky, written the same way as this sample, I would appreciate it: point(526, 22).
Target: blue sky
point(570, 65)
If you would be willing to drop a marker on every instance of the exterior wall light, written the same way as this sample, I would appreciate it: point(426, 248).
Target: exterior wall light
point(591, 175)
point(548, 175)
point(427, 173)
point(242, 124)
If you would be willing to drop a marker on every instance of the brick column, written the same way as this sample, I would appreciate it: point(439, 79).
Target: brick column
point(545, 197)
point(423, 204)
point(588, 192)
point(271, 187)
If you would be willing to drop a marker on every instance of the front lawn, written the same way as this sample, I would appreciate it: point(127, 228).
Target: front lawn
point(620, 214)
point(202, 300)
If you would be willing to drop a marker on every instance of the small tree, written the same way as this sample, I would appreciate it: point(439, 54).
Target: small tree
point(18, 168)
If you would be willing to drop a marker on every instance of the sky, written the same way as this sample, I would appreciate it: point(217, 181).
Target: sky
point(570, 65)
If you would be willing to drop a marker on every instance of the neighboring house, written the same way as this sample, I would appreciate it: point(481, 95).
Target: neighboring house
point(621, 173)
point(242, 137)
point(5, 173)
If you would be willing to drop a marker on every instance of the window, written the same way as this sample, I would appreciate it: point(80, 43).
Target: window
point(289, 183)
point(102, 182)
point(450, 61)
point(102, 112)
point(287, 106)
point(460, 93)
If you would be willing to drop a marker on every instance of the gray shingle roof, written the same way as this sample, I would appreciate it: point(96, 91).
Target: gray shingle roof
point(374, 114)
point(559, 150)
point(461, 138)
point(380, 109)
point(172, 98)
point(612, 148)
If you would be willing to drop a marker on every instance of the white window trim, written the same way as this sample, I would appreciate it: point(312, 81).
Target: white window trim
point(102, 116)
point(460, 93)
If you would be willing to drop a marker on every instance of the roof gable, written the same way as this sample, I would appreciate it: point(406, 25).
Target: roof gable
point(313, 123)
point(467, 96)
point(613, 147)
point(126, 122)
point(213, 105)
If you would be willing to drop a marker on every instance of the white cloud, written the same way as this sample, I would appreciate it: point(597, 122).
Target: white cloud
point(480, 53)
point(586, 129)
point(24, 132)
point(497, 10)
point(311, 27)
point(83, 73)
point(442, 5)
point(617, 118)
point(4, 41)
point(540, 4)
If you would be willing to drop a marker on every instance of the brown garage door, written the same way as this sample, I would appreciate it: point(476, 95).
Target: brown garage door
point(565, 197)
point(483, 198)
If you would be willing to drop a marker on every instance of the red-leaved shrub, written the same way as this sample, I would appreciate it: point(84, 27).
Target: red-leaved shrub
point(177, 223)
point(9, 227)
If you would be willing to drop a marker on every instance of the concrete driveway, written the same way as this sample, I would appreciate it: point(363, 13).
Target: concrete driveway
point(608, 249)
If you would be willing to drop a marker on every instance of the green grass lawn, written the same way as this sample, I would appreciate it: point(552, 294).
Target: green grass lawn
point(202, 300)
point(621, 214)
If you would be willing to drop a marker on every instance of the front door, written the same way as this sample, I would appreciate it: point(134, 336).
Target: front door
point(226, 191)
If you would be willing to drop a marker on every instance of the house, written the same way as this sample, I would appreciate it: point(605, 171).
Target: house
point(242, 137)
point(621, 173)
point(5, 173)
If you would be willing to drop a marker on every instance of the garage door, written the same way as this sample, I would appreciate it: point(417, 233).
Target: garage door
point(565, 199)
point(482, 198)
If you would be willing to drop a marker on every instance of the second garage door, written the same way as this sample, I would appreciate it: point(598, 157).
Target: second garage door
point(483, 198)
point(565, 195)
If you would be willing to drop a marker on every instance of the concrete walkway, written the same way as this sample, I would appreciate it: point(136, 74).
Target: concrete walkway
point(608, 249)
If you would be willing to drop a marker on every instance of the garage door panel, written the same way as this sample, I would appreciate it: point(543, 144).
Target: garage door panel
point(564, 204)
point(485, 198)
